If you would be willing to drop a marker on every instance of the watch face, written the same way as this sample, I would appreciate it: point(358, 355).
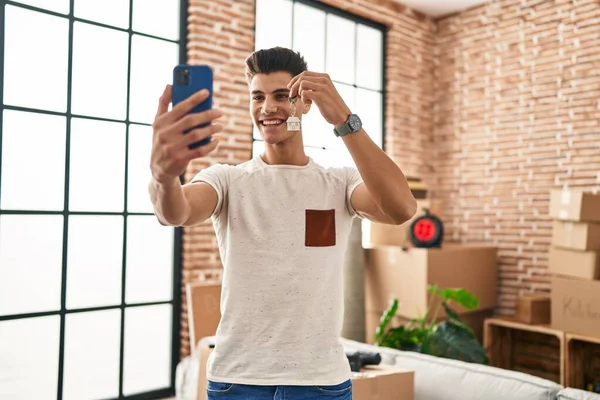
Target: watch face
point(354, 122)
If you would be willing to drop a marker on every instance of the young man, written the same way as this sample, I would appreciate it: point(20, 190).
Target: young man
point(282, 224)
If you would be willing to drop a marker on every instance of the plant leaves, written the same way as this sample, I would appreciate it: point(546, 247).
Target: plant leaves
point(450, 340)
point(385, 320)
point(403, 338)
point(455, 318)
point(460, 296)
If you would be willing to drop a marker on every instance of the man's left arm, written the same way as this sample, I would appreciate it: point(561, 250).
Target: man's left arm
point(385, 195)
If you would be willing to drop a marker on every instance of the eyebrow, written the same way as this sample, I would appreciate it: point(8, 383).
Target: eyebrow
point(282, 90)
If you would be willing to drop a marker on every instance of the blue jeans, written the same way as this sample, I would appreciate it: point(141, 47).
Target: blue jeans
point(233, 391)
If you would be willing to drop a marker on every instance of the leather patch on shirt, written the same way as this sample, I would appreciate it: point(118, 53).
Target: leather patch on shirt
point(320, 228)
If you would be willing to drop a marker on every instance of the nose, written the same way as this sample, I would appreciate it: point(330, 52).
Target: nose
point(269, 107)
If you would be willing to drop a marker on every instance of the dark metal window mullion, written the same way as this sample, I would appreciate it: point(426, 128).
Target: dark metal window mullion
point(178, 234)
point(78, 310)
point(62, 114)
point(63, 294)
point(46, 212)
point(125, 207)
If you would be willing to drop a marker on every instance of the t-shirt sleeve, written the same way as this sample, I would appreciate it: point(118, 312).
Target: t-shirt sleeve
point(353, 180)
point(217, 176)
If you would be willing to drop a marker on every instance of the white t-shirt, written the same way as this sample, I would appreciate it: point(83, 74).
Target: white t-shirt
point(282, 232)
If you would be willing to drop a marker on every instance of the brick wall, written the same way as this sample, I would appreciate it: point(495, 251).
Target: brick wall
point(493, 107)
point(221, 34)
point(517, 94)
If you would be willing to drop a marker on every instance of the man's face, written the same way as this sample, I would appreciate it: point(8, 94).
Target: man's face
point(270, 107)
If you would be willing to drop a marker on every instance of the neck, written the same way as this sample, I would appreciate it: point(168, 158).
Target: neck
point(288, 152)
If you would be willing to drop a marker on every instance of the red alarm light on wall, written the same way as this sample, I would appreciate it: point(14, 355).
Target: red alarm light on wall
point(427, 231)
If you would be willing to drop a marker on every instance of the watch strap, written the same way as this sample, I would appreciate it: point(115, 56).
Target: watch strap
point(343, 129)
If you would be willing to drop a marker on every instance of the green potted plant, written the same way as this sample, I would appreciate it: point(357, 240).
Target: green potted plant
point(449, 338)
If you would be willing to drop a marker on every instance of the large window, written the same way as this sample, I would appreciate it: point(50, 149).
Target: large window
point(348, 48)
point(89, 280)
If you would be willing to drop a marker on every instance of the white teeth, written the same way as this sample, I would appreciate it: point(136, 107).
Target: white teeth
point(272, 122)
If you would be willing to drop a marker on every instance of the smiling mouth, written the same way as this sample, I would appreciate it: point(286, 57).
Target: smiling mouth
point(272, 122)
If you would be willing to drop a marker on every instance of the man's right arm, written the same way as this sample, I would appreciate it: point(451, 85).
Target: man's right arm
point(187, 205)
point(173, 134)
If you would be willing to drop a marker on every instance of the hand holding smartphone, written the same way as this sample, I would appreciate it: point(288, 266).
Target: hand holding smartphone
point(185, 132)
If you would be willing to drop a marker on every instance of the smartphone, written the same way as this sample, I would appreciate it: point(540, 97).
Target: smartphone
point(187, 80)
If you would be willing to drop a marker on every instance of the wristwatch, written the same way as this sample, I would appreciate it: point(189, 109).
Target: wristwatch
point(352, 124)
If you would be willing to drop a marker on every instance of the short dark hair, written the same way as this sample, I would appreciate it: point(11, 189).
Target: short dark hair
point(274, 59)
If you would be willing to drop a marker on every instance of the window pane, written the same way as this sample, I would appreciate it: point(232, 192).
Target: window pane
point(60, 6)
point(110, 12)
point(92, 351)
point(152, 63)
point(348, 93)
point(317, 155)
point(309, 35)
point(149, 260)
point(30, 281)
point(95, 260)
point(138, 178)
point(369, 58)
point(272, 19)
point(255, 132)
point(148, 13)
point(339, 156)
point(99, 71)
point(23, 182)
point(368, 107)
point(332, 157)
point(340, 48)
point(147, 361)
point(29, 354)
point(316, 131)
point(258, 147)
point(97, 165)
point(35, 70)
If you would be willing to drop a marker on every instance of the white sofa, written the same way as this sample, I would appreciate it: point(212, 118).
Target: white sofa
point(435, 378)
point(443, 379)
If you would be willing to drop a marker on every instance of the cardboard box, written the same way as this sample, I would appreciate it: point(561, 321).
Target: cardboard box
point(377, 234)
point(383, 382)
point(533, 309)
point(393, 273)
point(575, 305)
point(204, 353)
point(203, 300)
point(374, 382)
point(575, 263)
point(575, 205)
point(576, 235)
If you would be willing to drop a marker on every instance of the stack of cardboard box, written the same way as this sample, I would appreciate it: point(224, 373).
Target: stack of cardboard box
point(396, 270)
point(574, 261)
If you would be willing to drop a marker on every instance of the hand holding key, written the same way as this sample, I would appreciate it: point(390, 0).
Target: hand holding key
point(170, 152)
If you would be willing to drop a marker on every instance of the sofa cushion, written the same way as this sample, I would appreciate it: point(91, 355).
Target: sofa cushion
point(576, 394)
point(444, 379)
